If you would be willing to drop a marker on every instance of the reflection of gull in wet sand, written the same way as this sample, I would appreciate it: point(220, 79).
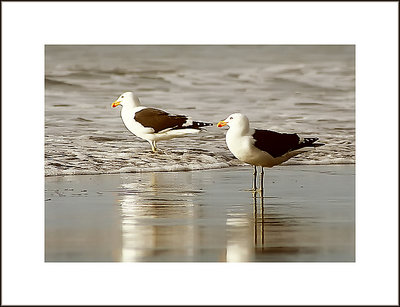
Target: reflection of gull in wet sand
point(166, 217)
point(258, 223)
point(153, 217)
point(263, 148)
point(153, 124)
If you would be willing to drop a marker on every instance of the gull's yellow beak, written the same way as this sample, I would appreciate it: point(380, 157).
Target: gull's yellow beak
point(115, 104)
point(221, 124)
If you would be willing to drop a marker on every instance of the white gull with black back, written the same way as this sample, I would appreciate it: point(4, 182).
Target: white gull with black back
point(263, 148)
point(153, 124)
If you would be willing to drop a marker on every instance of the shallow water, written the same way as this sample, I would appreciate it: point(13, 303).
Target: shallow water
point(303, 89)
point(203, 216)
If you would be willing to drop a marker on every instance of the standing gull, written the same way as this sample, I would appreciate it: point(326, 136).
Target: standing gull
point(153, 124)
point(263, 148)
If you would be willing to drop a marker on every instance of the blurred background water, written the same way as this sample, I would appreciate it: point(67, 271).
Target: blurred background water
point(304, 89)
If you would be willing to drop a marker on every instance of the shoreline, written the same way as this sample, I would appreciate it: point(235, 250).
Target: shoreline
point(199, 169)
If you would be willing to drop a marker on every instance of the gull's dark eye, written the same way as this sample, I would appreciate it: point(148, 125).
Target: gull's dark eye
point(230, 117)
point(122, 96)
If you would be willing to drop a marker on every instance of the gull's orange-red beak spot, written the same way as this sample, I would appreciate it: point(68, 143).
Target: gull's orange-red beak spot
point(115, 104)
point(221, 124)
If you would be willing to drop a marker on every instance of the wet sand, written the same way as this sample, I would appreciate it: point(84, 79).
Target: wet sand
point(307, 214)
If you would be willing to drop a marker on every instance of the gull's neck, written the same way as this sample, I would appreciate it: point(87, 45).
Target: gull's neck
point(135, 101)
point(241, 129)
point(131, 104)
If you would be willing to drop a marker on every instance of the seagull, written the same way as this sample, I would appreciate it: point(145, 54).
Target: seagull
point(263, 148)
point(152, 124)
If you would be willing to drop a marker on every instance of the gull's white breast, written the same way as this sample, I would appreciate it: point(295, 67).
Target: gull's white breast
point(242, 147)
point(128, 118)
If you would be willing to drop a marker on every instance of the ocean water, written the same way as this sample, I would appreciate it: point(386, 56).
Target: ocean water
point(308, 90)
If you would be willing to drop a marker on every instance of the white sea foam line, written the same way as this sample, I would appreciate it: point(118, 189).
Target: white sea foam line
point(360, 283)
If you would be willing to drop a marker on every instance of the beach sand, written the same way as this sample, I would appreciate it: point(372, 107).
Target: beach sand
point(307, 214)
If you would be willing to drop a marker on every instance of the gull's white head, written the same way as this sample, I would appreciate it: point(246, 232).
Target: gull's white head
point(127, 98)
point(235, 120)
